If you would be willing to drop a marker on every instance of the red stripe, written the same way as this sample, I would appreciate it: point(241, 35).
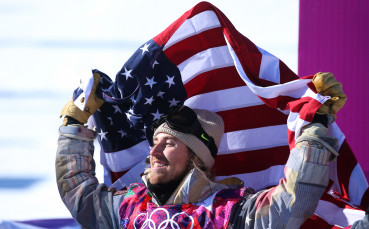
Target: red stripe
point(297, 104)
point(365, 200)
point(287, 102)
point(308, 111)
point(190, 46)
point(258, 116)
point(244, 162)
point(338, 202)
point(306, 107)
point(346, 163)
point(249, 55)
point(286, 74)
point(164, 36)
point(280, 102)
point(291, 138)
point(116, 175)
point(247, 52)
point(215, 80)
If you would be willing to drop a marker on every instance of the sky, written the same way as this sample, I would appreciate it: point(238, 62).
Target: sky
point(46, 45)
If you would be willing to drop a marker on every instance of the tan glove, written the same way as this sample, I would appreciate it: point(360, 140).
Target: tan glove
point(326, 84)
point(93, 103)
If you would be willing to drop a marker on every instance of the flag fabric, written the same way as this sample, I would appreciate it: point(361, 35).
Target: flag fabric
point(202, 61)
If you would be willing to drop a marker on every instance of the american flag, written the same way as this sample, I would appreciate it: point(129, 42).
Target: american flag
point(202, 61)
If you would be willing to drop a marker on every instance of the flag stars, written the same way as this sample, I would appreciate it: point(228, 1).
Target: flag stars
point(102, 135)
point(150, 82)
point(122, 133)
point(248, 220)
point(120, 92)
point(160, 94)
point(129, 114)
point(155, 63)
point(111, 120)
point(173, 102)
point(170, 81)
point(156, 115)
point(149, 101)
point(145, 48)
point(127, 73)
point(117, 109)
point(133, 100)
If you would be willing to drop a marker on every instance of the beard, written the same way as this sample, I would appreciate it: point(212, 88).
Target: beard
point(163, 176)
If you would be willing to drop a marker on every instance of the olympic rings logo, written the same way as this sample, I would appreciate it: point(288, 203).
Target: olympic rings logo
point(150, 223)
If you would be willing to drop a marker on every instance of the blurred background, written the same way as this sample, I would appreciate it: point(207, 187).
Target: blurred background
point(46, 45)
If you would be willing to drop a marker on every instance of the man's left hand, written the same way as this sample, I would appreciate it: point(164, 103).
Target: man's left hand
point(326, 84)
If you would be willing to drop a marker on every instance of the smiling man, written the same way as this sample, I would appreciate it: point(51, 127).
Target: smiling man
point(178, 189)
point(169, 159)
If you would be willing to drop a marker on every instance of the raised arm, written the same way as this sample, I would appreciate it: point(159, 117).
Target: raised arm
point(90, 203)
point(296, 197)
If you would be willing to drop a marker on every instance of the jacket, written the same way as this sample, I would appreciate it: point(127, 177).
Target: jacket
point(287, 205)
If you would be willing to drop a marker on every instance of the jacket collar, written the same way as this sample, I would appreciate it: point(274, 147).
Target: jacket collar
point(196, 187)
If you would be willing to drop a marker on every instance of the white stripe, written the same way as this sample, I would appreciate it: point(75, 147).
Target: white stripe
point(335, 131)
point(269, 67)
point(320, 98)
point(125, 159)
point(87, 81)
point(201, 22)
point(358, 185)
point(247, 140)
point(334, 215)
point(204, 61)
point(294, 89)
point(295, 123)
point(334, 176)
point(261, 179)
point(227, 99)
point(132, 176)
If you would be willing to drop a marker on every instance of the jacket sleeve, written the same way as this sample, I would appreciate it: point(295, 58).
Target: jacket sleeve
point(90, 203)
point(363, 223)
point(296, 197)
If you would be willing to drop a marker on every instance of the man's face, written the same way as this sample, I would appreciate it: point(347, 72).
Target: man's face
point(169, 159)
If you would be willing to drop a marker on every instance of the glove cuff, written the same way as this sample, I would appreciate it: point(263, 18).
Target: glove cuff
point(317, 132)
point(325, 119)
point(74, 112)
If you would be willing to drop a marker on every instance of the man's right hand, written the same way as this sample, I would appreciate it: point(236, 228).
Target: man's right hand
point(93, 103)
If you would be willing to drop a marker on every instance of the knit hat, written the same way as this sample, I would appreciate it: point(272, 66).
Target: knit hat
point(213, 125)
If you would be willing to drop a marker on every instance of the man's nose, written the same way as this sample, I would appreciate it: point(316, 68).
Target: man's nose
point(157, 149)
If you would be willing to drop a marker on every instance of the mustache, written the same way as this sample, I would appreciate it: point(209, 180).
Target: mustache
point(159, 158)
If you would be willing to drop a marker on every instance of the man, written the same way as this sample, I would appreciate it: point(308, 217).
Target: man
point(178, 189)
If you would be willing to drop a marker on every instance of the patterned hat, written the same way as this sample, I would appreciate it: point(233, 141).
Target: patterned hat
point(213, 125)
